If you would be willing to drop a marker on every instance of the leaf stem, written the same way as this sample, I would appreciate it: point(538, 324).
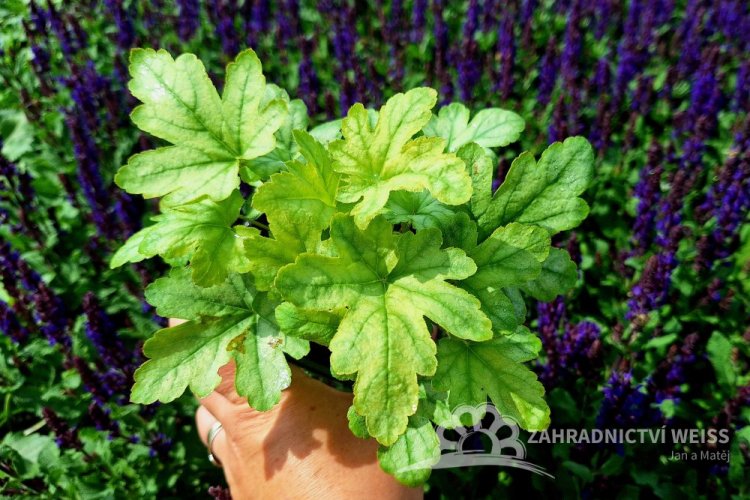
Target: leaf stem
point(259, 225)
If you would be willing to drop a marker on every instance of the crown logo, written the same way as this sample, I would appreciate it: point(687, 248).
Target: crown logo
point(508, 451)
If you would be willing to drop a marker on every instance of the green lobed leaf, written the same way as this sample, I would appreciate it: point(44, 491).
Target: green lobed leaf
point(544, 193)
point(490, 128)
point(357, 423)
point(411, 457)
point(376, 160)
point(471, 371)
point(185, 355)
point(388, 283)
point(227, 321)
point(305, 194)
point(315, 326)
point(480, 167)
point(262, 371)
point(180, 174)
point(176, 296)
point(511, 256)
point(328, 131)
point(200, 230)
point(211, 135)
point(420, 210)
point(261, 168)
point(559, 274)
point(298, 204)
point(179, 101)
point(460, 231)
point(267, 255)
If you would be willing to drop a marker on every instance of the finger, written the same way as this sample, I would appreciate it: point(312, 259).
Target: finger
point(175, 321)
point(227, 388)
point(204, 421)
point(219, 407)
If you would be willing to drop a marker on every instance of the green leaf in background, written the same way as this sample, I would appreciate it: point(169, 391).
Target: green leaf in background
point(389, 283)
point(559, 274)
point(544, 193)
point(374, 161)
point(200, 231)
point(327, 132)
point(719, 350)
point(16, 133)
point(411, 457)
point(211, 134)
point(490, 128)
point(37, 451)
point(471, 371)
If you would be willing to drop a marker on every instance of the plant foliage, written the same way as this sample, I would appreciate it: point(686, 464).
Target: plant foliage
point(391, 235)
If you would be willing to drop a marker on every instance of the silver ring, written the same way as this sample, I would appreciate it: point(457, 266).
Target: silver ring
point(212, 433)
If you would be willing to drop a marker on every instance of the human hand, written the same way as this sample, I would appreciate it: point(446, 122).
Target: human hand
point(302, 448)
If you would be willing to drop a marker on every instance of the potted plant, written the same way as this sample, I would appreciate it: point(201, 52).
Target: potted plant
point(378, 237)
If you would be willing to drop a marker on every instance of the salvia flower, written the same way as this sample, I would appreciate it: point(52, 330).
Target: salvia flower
point(92, 382)
point(527, 20)
point(666, 382)
point(52, 317)
point(65, 37)
point(506, 53)
point(626, 404)
point(648, 193)
point(600, 133)
point(287, 21)
point(224, 13)
point(160, 445)
point(550, 320)
point(419, 8)
point(741, 100)
point(100, 417)
point(603, 11)
point(727, 201)
point(654, 285)
point(441, 58)
point(189, 20)
point(65, 435)
point(123, 22)
point(558, 127)
point(705, 95)
point(469, 65)
point(692, 35)
point(219, 493)
point(102, 333)
point(572, 47)
point(574, 353)
point(10, 324)
point(548, 69)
